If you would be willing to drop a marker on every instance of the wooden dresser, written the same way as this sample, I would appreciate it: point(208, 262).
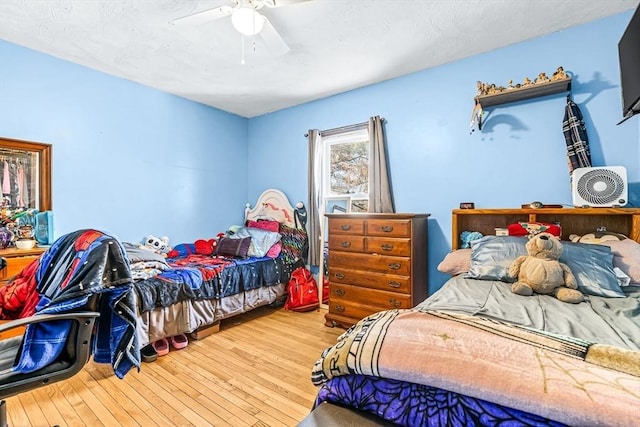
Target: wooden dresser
point(17, 259)
point(376, 262)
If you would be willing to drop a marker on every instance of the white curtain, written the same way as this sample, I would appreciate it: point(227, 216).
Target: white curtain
point(315, 207)
point(380, 197)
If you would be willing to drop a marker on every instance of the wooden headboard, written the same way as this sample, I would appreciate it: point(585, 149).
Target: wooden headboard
point(274, 205)
point(573, 220)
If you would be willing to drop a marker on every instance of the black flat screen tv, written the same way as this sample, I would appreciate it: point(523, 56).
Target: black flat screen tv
point(629, 54)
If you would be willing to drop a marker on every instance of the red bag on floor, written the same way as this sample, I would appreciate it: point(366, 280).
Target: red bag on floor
point(303, 291)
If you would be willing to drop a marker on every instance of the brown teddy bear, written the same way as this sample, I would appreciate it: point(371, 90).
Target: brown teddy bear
point(542, 273)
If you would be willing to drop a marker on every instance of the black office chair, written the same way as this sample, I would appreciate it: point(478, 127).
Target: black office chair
point(72, 359)
point(84, 276)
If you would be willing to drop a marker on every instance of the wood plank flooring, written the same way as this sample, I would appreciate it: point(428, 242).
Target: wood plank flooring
point(254, 372)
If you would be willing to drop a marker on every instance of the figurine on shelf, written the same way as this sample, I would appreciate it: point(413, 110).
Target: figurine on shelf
point(559, 74)
point(481, 88)
point(542, 78)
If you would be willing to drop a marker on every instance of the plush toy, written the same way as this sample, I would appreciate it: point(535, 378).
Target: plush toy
point(159, 245)
point(466, 237)
point(597, 237)
point(542, 273)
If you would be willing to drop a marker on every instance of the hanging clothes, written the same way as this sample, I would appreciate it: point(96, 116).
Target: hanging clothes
point(6, 179)
point(575, 135)
point(21, 181)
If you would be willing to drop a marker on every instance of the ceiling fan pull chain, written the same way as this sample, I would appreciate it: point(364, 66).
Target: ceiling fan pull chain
point(242, 59)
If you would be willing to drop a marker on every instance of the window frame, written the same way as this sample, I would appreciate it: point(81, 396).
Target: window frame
point(337, 137)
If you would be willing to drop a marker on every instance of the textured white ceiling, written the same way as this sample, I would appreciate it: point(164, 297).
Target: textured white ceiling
point(336, 45)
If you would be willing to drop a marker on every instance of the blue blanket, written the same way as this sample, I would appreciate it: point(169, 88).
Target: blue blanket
point(77, 267)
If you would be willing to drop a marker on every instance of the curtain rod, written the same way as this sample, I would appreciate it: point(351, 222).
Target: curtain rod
point(341, 129)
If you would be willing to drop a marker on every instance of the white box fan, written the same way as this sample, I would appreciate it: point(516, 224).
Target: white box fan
point(599, 186)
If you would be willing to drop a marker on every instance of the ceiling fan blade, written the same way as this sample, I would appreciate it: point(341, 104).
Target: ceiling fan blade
point(204, 16)
point(280, 3)
point(272, 39)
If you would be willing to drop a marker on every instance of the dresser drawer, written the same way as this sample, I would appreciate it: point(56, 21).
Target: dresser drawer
point(344, 242)
point(369, 297)
point(388, 227)
point(378, 263)
point(388, 246)
point(384, 282)
point(348, 309)
point(346, 225)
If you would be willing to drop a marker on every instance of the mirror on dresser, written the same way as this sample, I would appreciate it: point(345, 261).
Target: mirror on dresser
point(25, 182)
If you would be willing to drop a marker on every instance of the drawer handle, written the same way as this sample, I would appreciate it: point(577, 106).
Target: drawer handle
point(339, 275)
point(394, 266)
point(345, 227)
point(394, 284)
point(345, 244)
point(339, 308)
point(387, 247)
point(387, 228)
point(340, 292)
point(395, 302)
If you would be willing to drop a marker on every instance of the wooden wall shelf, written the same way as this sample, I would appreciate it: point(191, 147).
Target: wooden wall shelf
point(527, 92)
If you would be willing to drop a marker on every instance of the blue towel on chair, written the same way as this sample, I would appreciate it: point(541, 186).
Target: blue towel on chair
point(76, 267)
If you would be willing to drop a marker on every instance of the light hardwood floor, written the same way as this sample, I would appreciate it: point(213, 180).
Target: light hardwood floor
point(254, 372)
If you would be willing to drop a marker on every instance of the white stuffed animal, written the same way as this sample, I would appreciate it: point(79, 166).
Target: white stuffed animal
point(159, 245)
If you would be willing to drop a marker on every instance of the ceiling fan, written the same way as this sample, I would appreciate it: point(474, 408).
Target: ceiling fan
point(246, 19)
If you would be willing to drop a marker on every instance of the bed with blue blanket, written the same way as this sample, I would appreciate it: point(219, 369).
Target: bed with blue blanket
point(192, 291)
point(475, 353)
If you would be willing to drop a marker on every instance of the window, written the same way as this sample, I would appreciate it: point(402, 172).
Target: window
point(346, 171)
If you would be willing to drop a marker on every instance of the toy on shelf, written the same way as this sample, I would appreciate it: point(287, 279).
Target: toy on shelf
point(483, 89)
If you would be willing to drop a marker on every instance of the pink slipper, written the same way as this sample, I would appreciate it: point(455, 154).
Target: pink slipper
point(161, 346)
point(179, 341)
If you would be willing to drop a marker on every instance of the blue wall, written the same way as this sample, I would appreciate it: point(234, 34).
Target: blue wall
point(435, 162)
point(126, 158)
point(137, 161)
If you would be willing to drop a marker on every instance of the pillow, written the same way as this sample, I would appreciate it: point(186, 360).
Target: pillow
point(233, 247)
point(456, 262)
point(593, 267)
point(261, 240)
point(265, 225)
point(274, 250)
point(626, 256)
point(491, 257)
point(294, 243)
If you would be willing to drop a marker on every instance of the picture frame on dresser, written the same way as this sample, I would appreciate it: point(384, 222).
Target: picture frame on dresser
point(337, 204)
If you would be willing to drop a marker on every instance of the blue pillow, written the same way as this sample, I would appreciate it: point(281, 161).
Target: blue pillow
point(261, 240)
point(491, 257)
point(592, 265)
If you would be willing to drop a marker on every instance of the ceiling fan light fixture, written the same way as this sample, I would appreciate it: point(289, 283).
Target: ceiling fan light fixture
point(247, 21)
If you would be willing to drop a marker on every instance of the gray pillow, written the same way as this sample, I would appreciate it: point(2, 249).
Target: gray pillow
point(592, 265)
point(261, 240)
point(491, 257)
